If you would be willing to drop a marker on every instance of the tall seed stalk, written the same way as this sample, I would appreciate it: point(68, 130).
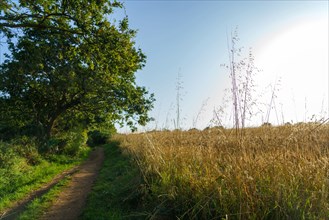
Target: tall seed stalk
point(179, 87)
point(234, 89)
point(242, 74)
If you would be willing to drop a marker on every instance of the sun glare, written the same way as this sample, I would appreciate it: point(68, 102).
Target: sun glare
point(298, 57)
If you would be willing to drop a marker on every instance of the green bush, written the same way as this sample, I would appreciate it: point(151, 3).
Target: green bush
point(7, 155)
point(23, 147)
point(97, 137)
point(27, 148)
point(69, 143)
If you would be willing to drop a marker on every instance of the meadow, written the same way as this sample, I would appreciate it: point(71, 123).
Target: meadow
point(268, 172)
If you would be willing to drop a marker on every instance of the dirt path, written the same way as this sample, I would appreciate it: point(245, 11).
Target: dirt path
point(71, 200)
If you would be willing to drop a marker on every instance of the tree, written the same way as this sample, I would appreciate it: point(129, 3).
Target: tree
point(69, 67)
point(81, 15)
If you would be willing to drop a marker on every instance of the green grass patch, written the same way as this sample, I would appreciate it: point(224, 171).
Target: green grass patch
point(19, 178)
point(39, 205)
point(118, 190)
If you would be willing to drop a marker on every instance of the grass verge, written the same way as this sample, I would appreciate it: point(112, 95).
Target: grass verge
point(39, 205)
point(20, 179)
point(117, 191)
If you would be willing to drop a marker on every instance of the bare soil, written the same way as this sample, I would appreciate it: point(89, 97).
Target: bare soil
point(70, 202)
point(72, 199)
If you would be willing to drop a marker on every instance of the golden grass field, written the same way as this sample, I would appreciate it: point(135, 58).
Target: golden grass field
point(263, 173)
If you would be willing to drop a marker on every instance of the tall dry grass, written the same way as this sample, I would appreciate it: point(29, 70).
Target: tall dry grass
point(267, 173)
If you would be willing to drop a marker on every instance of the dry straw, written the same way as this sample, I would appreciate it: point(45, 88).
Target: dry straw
point(269, 173)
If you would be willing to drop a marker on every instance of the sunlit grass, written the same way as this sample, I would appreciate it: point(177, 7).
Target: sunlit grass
point(19, 177)
point(267, 173)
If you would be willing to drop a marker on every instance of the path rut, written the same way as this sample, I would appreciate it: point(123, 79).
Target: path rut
point(71, 201)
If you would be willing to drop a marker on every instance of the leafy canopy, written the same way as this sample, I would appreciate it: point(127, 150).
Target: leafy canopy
point(69, 66)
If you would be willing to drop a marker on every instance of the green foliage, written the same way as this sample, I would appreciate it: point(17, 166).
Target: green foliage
point(7, 155)
point(68, 143)
point(74, 140)
point(97, 137)
point(23, 147)
point(70, 67)
point(23, 169)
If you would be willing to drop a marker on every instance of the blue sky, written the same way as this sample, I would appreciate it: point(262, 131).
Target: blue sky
point(190, 37)
point(289, 40)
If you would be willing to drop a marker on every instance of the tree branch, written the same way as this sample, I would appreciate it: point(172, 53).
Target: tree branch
point(41, 26)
